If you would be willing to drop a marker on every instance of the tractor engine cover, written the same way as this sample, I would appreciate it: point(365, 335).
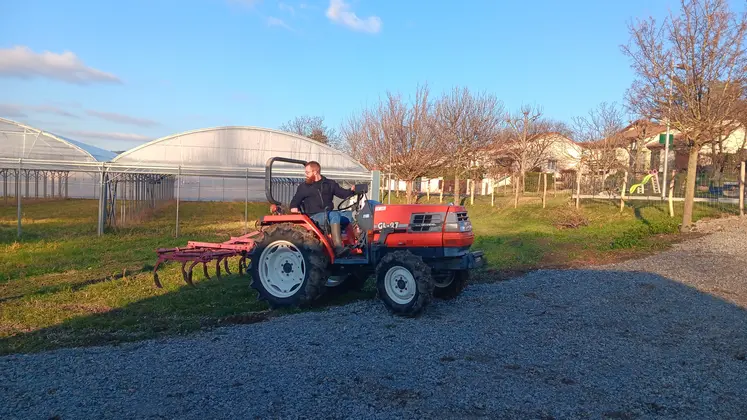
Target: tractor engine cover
point(423, 225)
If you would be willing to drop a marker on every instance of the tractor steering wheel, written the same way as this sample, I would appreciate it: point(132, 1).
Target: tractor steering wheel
point(339, 206)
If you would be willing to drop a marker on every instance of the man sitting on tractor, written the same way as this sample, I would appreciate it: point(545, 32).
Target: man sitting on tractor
point(316, 196)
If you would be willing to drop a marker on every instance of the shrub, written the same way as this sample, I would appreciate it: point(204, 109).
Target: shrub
point(569, 218)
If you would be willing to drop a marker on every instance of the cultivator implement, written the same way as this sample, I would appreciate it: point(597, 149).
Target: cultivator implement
point(207, 252)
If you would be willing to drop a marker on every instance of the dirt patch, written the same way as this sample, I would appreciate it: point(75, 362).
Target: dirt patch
point(711, 225)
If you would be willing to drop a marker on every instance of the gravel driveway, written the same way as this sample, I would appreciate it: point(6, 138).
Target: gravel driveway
point(663, 337)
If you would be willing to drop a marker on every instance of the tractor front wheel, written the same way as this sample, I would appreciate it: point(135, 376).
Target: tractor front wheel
point(404, 283)
point(289, 267)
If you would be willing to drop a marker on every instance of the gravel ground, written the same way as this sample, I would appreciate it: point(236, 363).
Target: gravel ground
point(639, 339)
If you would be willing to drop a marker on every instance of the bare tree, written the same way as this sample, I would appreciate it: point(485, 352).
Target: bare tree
point(524, 142)
point(397, 137)
point(312, 127)
point(699, 57)
point(601, 135)
point(466, 124)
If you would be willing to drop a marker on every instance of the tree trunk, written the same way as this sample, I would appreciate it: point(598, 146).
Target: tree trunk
point(456, 189)
point(472, 193)
point(409, 191)
point(692, 166)
point(539, 181)
point(516, 191)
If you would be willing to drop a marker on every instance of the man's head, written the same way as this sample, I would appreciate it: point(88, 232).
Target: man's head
point(313, 172)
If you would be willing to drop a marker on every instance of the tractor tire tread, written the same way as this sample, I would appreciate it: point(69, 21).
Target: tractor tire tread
point(421, 273)
point(314, 251)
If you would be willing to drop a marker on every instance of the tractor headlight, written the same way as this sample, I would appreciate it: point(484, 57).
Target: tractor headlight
point(457, 222)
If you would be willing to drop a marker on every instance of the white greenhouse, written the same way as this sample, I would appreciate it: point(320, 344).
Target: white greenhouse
point(212, 164)
point(228, 163)
point(48, 163)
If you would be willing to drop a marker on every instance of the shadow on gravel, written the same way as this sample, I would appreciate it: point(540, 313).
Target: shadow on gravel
point(210, 303)
point(551, 344)
point(632, 300)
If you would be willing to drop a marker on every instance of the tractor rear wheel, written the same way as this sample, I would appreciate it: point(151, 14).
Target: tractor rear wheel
point(404, 283)
point(449, 284)
point(289, 267)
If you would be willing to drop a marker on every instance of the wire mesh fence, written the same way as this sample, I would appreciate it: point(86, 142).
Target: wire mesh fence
point(128, 196)
point(716, 189)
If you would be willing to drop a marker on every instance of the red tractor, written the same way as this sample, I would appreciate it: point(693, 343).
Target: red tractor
point(415, 252)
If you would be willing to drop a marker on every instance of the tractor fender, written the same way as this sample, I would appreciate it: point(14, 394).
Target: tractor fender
point(301, 219)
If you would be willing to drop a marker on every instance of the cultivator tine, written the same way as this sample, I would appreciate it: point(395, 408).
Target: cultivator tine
point(187, 277)
point(242, 266)
point(155, 274)
point(225, 265)
point(204, 253)
point(192, 266)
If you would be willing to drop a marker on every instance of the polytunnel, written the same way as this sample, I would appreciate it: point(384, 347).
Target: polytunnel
point(48, 163)
point(215, 164)
point(37, 164)
point(229, 164)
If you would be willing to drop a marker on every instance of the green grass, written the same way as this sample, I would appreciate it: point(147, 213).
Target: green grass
point(61, 285)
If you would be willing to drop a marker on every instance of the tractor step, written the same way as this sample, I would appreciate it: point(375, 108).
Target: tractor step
point(351, 260)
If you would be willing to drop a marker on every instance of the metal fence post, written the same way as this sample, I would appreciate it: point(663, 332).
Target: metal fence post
point(178, 181)
point(18, 195)
point(741, 189)
point(375, 185)
point(102, 202)
point(246, 202)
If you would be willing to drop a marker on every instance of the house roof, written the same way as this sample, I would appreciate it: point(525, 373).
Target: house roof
point(627, 135)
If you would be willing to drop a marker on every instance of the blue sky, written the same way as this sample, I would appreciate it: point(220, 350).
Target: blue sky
point(139, 70)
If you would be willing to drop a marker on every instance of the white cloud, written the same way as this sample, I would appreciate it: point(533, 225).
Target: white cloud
point(22, 62)
point(12, 111)
point(286, 7)
point(339, 12)
point(21, 111)
point(273, 21)
point(51, 109)
point(124, 119)
point(102, 135)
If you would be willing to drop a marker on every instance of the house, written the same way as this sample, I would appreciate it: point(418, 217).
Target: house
point(552, 152)
point(734, 142)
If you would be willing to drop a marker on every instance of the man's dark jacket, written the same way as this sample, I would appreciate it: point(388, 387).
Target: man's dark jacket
point(317, 197)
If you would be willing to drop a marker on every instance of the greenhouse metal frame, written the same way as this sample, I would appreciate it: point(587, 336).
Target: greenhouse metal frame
point(150, 172)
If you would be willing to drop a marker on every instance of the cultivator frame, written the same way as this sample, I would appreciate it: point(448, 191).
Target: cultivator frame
point(242, 246)
point(205, 252)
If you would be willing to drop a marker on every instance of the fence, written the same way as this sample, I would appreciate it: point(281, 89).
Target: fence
point(127, 192)
point(721, 189)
